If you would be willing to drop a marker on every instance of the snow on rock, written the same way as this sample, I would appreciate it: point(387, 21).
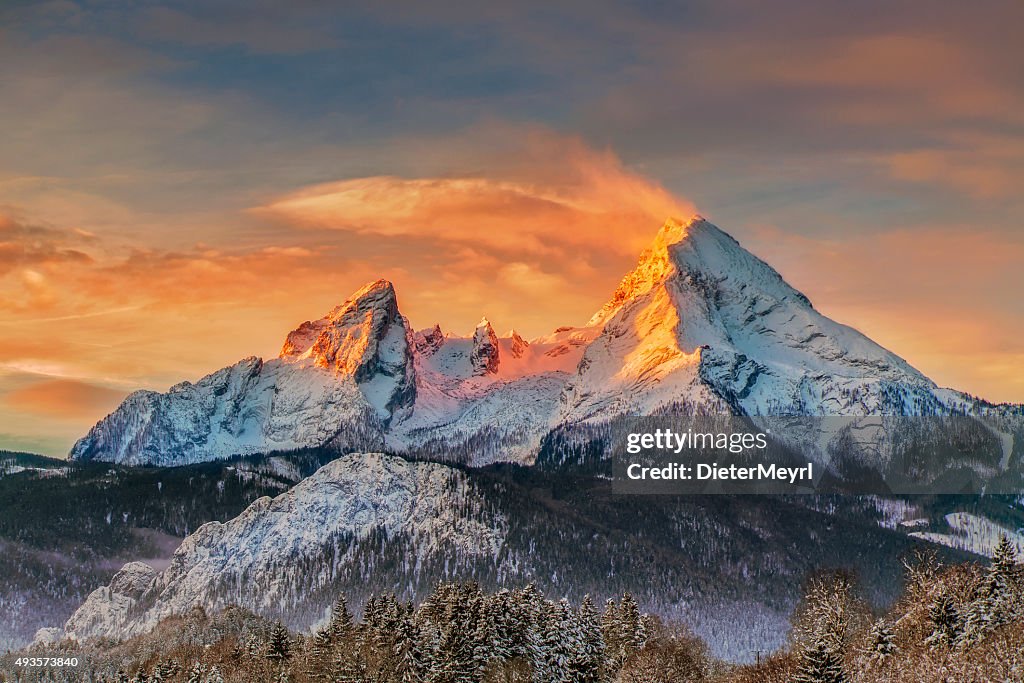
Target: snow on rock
point(428, 341)
point(365, 338)
point(261, 559)
point(353, 368)
point(49, 635)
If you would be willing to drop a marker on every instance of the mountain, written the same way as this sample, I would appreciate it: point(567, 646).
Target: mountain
point(372, 523)
point(700, 324)
point(702, 319)
point(350, 369)
point(276, 547)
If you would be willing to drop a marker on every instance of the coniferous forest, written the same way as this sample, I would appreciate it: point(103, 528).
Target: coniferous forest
point(961, 622)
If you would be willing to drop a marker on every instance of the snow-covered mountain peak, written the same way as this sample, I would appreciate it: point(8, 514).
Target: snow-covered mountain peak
point(369, 309)
point(428, 341)
point(365, 338)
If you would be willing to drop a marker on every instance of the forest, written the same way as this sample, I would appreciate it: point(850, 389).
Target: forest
point(960, 622)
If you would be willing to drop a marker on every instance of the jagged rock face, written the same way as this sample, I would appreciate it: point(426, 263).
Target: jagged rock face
point(517, 344)
point(108, 611)
point(350, 371)
point(428, 341)
point(365, 338)
point(485, 354)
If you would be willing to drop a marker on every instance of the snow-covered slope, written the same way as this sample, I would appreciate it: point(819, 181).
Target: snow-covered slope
point(275, 556)
point(700, 323)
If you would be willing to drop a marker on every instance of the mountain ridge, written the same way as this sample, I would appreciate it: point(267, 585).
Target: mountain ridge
point(699, 320)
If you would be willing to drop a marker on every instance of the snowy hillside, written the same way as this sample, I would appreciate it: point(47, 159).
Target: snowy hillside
point(699, 322)
point(275, 556)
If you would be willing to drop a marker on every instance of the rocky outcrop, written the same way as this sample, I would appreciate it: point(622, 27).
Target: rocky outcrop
point(484, 356)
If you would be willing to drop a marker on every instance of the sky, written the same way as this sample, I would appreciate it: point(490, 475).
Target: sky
point(183, 183)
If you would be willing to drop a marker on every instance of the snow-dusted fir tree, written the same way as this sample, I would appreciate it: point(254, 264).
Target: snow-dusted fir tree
point(996, 601)
point(483, 637)
point(559, 644)
point(631, 624)
point(946, 622)
point(588, 663)
point(453, 660)
point(320, 655)
point(280, 647)
point(882, 642)
point(820, 663)
point(341, 624)
point(411, 650)
point(214, 676)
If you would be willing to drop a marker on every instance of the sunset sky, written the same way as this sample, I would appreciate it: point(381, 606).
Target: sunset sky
point(183, 183)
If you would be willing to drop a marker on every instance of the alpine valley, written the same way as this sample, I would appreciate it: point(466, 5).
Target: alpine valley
point(369, 457)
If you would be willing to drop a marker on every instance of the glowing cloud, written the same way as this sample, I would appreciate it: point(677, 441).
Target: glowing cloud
point(555, 194)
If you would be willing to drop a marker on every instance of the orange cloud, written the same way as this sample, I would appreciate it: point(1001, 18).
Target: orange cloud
point(552, 195)
point(65, 398)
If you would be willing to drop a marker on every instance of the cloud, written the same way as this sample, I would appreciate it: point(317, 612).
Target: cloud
point(553, 195)
point(65, 398)
point(537, 239)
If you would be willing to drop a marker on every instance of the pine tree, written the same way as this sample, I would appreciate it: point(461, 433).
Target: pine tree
point(453, 661)
point(321, 652)
point(195, 674)
point(1004, 557)
point(883, 642)
point(214, 676)
point(483, 637)
point(946, 625)
point(820, 664)
point(631, 624)
point(413, 664)
point(612, 636)
point(341, 624)
point(994, 604)
point(590, 658)
point(279, 648)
